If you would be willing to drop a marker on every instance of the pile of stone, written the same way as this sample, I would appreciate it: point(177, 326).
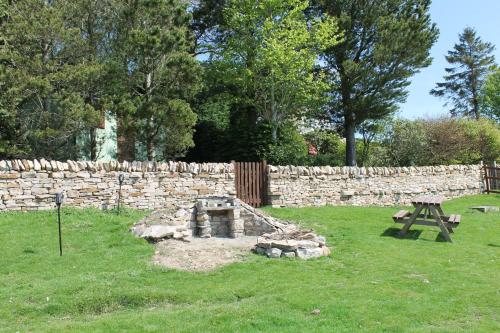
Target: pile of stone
point(165, 224)
point(292, 242)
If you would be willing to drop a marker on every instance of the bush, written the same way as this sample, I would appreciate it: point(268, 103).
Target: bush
point(440, 141)
point(330, 148)
point(290, 149)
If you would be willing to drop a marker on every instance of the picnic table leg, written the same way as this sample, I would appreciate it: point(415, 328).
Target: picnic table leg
point(411, 220)
point(440, 211)
point(439, 222)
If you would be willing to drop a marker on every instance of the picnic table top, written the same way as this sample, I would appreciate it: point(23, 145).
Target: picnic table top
point(428, 200)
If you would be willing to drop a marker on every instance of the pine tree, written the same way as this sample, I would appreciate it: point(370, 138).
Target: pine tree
point(385, 43)
point(472, 60)
point(155, 76)
point(41, 74)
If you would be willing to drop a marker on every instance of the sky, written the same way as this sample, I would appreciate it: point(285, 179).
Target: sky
point(451, 17)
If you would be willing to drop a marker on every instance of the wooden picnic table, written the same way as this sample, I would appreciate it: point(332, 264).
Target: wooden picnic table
point(428, 212)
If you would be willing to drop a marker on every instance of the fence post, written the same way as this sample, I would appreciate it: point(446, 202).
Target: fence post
point(486, 179)
point(265, 183)
point(495, 174)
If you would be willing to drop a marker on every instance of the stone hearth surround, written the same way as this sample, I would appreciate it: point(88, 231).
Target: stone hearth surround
point(218, 216)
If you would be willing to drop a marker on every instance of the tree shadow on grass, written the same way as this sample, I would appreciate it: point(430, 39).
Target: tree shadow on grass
point(394, 233)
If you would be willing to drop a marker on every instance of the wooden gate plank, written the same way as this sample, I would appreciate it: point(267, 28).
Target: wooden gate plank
point(251, 182)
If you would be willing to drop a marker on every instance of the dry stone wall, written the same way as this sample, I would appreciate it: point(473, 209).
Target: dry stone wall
point(291, 186)
point(31, 185)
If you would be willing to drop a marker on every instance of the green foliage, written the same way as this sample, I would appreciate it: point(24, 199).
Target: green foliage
point(105, 282)
point(385, 43)
point(289, 149)
point(472, 60)
point(329, 146)
point(153, 56)
point(490, 101)
point(441, 141)
point(405, 144)
point(42, 72)
point(261, 73)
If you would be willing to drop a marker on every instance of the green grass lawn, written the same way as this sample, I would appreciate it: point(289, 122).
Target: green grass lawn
point(373, 282)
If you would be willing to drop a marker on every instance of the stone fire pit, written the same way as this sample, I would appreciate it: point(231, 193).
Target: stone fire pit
point(220, 218)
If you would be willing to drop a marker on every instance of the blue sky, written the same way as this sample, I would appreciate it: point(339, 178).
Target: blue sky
point(451, 17)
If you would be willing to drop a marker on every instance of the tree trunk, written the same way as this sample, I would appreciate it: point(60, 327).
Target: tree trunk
point(93, 144)
point(150, 149)
point(350, 148)
point(125, 141)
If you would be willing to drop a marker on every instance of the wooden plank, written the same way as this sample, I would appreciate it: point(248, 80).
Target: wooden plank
point(426, 223)
point(236, 182)
point(444, 229)
point(259, 185)
point(255, 182)
point(411, 220)
point(265, 183)
point(250, 184)
point(486, 179)
point(247, 171)
point(401, 214)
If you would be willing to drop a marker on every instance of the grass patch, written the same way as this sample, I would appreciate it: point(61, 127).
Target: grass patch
point(373, 282)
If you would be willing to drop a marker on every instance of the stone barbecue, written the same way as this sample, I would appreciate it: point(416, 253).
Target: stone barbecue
point(218, 216)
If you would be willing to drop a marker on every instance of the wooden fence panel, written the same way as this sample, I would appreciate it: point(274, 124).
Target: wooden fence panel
point(251, 182)
point(492, 178)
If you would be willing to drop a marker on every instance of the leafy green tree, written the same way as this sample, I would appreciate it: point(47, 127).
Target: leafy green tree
point(472, 60)
point(270, 52)
point(153, 58)
point(490, 97)
point(385, 43)
point(41, 74)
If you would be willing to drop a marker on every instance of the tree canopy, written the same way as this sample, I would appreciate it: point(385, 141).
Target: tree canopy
point(472, 60)
point(385, 43)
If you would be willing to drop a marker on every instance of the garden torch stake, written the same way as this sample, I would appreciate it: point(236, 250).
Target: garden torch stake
point(120, 182)
point(59, 199)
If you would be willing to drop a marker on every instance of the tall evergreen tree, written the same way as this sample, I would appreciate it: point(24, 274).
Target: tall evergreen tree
point(385, 43)
point(41, 78)
point(156, 76)
point(472, 60)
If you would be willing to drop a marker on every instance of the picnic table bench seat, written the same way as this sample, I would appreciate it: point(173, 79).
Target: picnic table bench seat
point(401, 215)
point(454, 218)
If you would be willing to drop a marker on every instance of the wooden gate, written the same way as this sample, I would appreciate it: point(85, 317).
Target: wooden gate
point(251, 182)
point(492, 178)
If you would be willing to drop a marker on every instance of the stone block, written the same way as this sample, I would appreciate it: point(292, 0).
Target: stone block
point(306, 253)
point(273, 253)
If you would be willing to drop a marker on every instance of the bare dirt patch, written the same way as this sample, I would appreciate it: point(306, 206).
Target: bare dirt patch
point(202, 254)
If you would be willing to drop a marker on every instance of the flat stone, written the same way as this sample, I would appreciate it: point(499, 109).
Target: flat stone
point(307, 244)
point(288, 254)
point(259, 250)
point(181, 213)
point(320, 240)
point(264, 243)
point(486, 209)
point(285, 245)
point(13, 175)
point(273, 253)
point(304, 253)
point(161, 231)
